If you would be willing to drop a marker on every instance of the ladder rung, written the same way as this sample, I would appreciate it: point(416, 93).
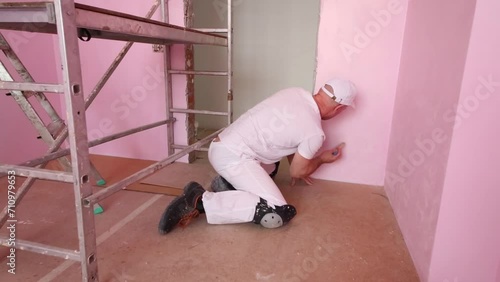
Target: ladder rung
point(29, 13)
point(186, 111)
point(214, 73)
point(27, 86)
point(55, 127)
point(212, 30)
point(41, 248)
point(38, 173)
point(27, 94)
point(184, 147)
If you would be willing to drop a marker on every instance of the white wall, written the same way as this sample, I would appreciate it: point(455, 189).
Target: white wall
point(274, 48)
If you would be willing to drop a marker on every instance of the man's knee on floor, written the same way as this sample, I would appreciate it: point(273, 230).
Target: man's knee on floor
point(270, 217)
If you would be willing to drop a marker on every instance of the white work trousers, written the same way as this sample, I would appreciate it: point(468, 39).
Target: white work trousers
point(251, 180)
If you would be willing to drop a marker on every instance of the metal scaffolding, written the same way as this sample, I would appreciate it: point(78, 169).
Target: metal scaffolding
point(71, 21)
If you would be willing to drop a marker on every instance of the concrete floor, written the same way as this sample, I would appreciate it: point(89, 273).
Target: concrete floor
point(342, 232)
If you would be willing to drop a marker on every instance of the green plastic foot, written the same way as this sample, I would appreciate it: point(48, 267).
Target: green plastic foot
point(98, 209)
point(101, 182)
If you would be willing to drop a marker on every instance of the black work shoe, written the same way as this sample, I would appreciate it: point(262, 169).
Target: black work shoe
point(275, 171)
point(183, 208)
point(220, 184)
point(273, 218)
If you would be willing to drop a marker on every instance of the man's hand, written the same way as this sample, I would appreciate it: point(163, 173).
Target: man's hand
point(329, 156)
point(307, 180)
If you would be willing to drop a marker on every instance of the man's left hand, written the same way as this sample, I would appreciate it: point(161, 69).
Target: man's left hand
point(306, 179)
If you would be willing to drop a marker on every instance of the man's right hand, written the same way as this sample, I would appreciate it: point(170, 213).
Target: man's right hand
point(329, 156)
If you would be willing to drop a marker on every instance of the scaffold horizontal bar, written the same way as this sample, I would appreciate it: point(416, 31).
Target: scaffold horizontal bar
point(41, 248)
point(189, 111)
point(184, 147)
point(93, 143)
point(102, 23)
point(211, 73)
point(37, 173)
point(212, 30)
point(28, 86)
point(102, 194)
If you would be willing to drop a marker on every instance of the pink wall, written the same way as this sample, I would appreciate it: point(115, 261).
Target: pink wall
point(467, 242)
point(134, 95)
point(18, 136)
point(361, 41)
point(445, 200)
point(432, 64)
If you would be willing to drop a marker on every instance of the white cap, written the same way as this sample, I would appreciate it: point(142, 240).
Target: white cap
point(344, 91)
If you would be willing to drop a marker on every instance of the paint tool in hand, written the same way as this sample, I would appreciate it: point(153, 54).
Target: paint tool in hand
point(338, 148)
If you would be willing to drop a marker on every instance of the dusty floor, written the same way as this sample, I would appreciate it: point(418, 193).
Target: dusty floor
point(342, 232)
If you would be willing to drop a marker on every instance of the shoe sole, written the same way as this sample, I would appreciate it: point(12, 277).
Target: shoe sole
point(169, 209)
point(164, 220)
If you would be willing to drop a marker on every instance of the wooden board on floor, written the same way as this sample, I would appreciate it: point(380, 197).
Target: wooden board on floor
point(177, 175)
point(114, 169)
point(142, 187)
